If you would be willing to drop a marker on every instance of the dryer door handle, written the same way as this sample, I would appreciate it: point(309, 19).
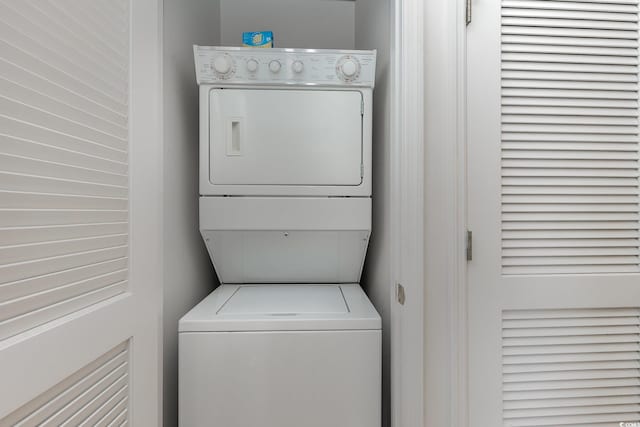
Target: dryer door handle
point(234, 136)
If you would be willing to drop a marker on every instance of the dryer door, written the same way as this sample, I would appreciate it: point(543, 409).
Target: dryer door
point(278, 137)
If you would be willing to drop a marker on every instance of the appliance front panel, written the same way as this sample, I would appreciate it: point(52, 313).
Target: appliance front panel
point(300, 67)
point(283, 256)
point(280, 379)
point(280, 137)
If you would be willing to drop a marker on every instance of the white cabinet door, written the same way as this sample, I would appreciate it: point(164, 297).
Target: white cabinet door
point(79, 198)
point(554, 284)
point(285, 137)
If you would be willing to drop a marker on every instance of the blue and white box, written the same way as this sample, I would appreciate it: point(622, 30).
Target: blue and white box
point(257, 39)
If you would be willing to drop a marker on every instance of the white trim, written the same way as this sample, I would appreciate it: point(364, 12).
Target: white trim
point(458, 304)
point(445, 221)
point(160, 343)
point(145, 171)
point(407, 215)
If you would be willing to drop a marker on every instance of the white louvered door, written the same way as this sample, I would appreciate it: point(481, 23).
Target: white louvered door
point(554, 206)
point(79, 288)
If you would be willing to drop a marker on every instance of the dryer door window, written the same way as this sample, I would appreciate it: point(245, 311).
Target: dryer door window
point(285, 137)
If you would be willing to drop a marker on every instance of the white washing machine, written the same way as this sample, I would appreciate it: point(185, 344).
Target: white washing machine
point(289, 339)
point(281, 356)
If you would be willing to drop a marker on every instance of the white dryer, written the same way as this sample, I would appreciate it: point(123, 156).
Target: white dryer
point(289, 339)
point(285, 122)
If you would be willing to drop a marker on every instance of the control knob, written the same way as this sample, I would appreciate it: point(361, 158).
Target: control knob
point(297, 66)
point(223, 64)
point(274, 66)
point(348, 68)
point(252, 65)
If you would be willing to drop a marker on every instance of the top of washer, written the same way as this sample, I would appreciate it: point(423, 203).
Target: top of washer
point(297, 67)
point(283, 307)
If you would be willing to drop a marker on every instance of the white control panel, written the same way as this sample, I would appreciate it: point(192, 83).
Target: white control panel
point(321, 67)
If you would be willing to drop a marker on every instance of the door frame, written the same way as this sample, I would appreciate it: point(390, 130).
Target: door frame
point(146, 201)
point(407, 215)
point(428, 215)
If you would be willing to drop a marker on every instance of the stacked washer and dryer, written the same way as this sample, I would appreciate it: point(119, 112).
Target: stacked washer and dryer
point(289, 339)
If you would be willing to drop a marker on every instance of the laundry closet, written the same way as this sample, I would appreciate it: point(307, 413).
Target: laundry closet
point(188, 272)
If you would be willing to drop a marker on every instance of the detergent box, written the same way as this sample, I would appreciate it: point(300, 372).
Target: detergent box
point(257, 39)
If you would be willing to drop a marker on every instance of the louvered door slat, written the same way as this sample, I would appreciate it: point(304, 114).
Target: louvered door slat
point(36, 217)
point(593, 111)
point(120, 419)
point(527, 359)
point(606, 205)
point(88, 20)
point(15, 55)
point(54, 310)
point(570, 137)
point(98, 41)
point(570, 15)
point(17, 235)
point(90, 393)
point(24, 112)
point(569, 32)
point(31, 18)
point(597, 23)
point(20, 200)
point(535, 341)
point(18, 182)
point(571, 120)
point(571, 403)
point(26, 165)
point(40, 135)
point(557, 42)
point(61, 58)
point(40, 83)
point(549, 396)
point(597, 6)
point(34, 251)
point(107, 411)
point(63, 109)
point(52, 265)
point(76, 42)
point(550, 379)
point(37, 285)
point(31, 303)
point(12, 146)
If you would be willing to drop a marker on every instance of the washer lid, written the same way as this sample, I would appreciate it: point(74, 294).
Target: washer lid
point(284, 300)
point(282, 307)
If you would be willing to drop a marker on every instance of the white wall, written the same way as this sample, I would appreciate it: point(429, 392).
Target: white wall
point(373, 31)
point(325, 24)
point(188, 274)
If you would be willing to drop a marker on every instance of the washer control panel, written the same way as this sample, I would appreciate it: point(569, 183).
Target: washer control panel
point(235, 65)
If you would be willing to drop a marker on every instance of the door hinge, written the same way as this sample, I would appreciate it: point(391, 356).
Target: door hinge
point(361, 170)
point(362, 107)
point(469, 12)
point(400, 296)
point(469, 245)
